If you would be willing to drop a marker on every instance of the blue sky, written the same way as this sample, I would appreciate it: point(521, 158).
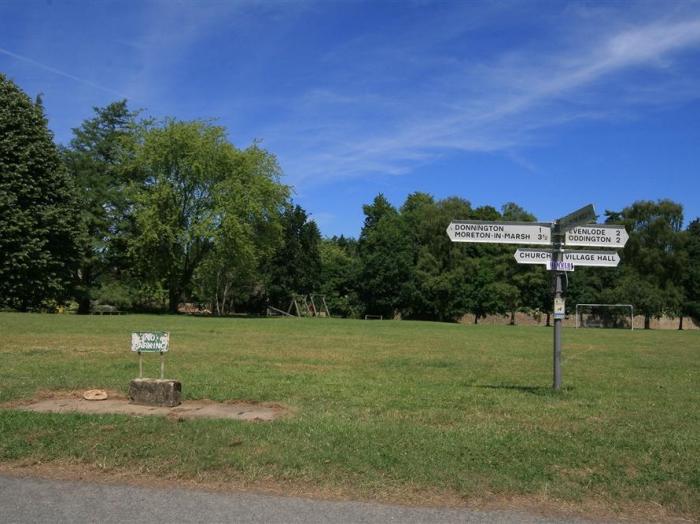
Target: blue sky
point(551, 105)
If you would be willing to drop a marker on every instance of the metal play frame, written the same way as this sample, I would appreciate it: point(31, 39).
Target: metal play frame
point(578, 306)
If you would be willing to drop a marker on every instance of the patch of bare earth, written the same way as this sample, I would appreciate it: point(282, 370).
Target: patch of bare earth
point(117, 404)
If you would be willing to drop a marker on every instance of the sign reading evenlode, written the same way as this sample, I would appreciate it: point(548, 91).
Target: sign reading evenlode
point(150, 342)
point(596, 235)
point(481, 231)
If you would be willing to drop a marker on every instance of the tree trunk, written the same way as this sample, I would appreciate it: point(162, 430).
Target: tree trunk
point(476, 318)
point(225, 299)
point(84, 300)
point(548, 320)
point(512, 318)
point(647, 321)
point(84, 305)
point(173, 300)
point(217, 296)
point(680, 323)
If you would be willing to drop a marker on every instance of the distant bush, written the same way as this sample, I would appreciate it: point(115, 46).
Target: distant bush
point(115, 294)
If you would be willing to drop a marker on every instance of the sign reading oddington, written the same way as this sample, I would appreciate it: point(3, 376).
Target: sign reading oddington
point(150, 342)
point(597, 235)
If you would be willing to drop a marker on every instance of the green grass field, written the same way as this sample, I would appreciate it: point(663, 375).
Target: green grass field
point(381, 408)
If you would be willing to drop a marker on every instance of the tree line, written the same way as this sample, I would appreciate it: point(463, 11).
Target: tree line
point(147, 214)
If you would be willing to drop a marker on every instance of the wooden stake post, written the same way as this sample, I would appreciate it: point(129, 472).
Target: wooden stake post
point(567, 231)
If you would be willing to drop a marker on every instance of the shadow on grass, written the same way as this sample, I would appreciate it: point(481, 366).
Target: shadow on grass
point(533, 390)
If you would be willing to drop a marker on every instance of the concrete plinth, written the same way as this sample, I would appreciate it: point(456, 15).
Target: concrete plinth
point(155, 392)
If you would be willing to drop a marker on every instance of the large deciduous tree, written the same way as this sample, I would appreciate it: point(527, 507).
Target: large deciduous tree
point(691, 275)
point(38, 233)
point(653, 258)
point(248, 204)
point(180, 164)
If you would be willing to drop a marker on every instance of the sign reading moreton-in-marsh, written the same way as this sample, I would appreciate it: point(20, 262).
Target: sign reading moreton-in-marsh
point(500, 232)
point(572, 230)
point(150, 342)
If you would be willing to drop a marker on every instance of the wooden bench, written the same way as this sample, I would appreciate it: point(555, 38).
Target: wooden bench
point(105, 309)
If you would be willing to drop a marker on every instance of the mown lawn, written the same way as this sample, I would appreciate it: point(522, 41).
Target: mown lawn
point(381, 408)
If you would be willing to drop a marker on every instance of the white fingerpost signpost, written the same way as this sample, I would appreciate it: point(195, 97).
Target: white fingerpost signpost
point(573, 230)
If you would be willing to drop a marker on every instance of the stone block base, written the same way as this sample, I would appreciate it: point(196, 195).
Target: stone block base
point(155, 392)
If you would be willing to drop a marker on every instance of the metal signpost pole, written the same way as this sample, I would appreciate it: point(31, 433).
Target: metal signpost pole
point(560, 228)
point(558, 305)
point(556, 383)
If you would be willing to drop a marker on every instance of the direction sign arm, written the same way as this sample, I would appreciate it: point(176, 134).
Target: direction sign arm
point(580, 216)
point(480, 231)
point(597, 235)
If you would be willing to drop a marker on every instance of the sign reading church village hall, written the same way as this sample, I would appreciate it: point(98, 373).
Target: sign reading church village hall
point(572, 230)
point(578, 258)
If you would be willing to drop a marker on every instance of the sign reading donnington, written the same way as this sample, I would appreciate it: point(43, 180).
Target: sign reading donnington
point(500, 232)
point(572, 230)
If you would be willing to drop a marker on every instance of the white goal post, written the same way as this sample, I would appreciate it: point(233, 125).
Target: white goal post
point(581, 306)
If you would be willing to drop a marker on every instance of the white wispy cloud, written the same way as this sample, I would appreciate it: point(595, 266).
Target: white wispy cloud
point(500, 106)
point(60, 72)
point(465, 77)
point(170, 33)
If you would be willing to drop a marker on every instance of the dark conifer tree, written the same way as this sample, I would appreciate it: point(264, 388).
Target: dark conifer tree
point(94, 160)
point(38, 228)
point(296, 266)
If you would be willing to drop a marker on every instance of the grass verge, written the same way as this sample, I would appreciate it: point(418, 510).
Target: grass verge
point(382, 408)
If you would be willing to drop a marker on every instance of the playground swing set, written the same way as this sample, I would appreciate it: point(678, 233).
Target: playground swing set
point(312, 305)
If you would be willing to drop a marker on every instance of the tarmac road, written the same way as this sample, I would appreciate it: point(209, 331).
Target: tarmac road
point(34, 500)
